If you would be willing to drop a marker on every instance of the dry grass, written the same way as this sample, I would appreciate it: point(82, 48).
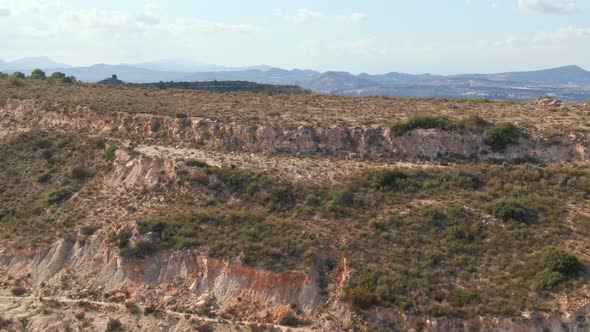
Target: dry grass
point(297, 110)
point(422, 239)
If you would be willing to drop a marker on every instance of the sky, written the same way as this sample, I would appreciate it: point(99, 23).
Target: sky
point(373, 36)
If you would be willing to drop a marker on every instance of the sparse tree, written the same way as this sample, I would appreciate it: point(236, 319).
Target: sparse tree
point(115, 77)
point(18, 74)
point(57, 76)
point(15, 81)
point(69, 79)
point(3, 75)
point(38, 74)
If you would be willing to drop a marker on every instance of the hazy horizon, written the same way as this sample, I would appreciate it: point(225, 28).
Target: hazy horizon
point(424, 36)
point(254, 66)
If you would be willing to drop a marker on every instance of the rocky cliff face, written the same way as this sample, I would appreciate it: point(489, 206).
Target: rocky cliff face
point(93, 264)
point(187, 282)
point(178, 282)
point(365, 142)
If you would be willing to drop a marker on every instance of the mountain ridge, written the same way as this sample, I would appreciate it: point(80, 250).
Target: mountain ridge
point(569, 83)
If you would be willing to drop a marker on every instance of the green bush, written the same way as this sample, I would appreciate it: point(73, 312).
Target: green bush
point(14, 81)
point(473, 123)
point(501, 135)
point(273, 243)
point(114, 325)
point(132, 308)
point(80, 173)
point(199, 177)
point(18, 291)
point(423, 122)
point(18, 74)
point(57, 76)
point(360, 297)
point(560, 261)
point(141, 249)
point(61, 77)
point(459, 179)
point(68, 79)
point(557, 267)
point(42, 143)
point(463, 233)
point(196, 163)
point(110, 152)
point(37, 74)
point(465, 297)
point(434, 216)
point(151, 225)
point(44, 178)
point(290, 318)
point(508, 211)
point(59, 196)
point(547, 280)
point(122, 238)
point(88, 230)
point(235, 179)
point(277, 197)
point(583, 184)
point(342, 197)
point(386, 179)
point(370, 286)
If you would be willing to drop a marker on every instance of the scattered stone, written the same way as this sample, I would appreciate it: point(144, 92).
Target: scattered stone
point(548, 102)
point(206, 297)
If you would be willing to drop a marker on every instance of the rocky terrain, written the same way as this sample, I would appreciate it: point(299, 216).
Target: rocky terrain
point(139, 209)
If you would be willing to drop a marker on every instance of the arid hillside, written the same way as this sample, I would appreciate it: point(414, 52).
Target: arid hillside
point(146, 209)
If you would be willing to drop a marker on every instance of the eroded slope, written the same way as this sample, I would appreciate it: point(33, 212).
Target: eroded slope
point(324, 227)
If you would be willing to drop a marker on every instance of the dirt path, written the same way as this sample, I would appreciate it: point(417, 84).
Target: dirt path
point(20, 307)
point(300, 169)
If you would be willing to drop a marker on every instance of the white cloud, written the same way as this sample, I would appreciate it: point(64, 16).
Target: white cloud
point(492, 4)
point(4, 12)
point(510, 41)
point(353, 18)
point(562, 34)
point(19, 7)
point(549, 6)
point(122, 22)
point(96, 19)
point(78, 21)
point(200, 26)
point(149, 15)
point(34, 32)
point(304, 15)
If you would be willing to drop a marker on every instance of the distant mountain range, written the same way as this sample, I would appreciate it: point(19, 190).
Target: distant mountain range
point(569, 83)
point(30, 64)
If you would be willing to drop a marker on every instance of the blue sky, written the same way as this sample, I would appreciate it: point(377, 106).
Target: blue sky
point(375, 36)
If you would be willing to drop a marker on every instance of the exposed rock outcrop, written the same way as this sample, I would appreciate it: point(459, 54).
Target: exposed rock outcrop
point(94, 264)
point(548, 102)
point(367, 142)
